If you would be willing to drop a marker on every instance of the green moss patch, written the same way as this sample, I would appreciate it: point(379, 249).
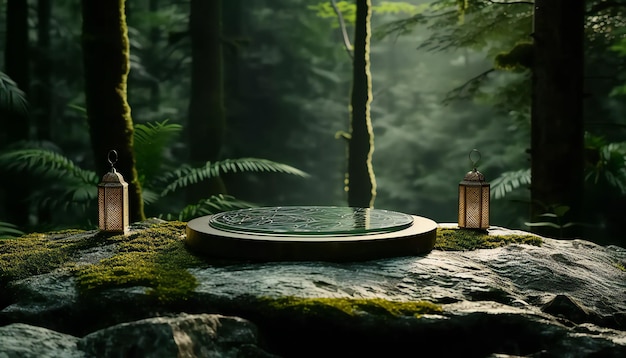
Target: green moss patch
point(155, 258)
point(464, 240)
point(323, 307)
point(36, 253)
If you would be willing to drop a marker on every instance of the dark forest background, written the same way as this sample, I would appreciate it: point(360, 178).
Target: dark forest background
point(447, 77)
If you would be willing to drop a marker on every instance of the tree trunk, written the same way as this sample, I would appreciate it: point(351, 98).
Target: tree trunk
point(16, 126)
point(41, 91)
point(557, 137)
point(206, 106)
point(361, 180)
point(106, 65)
point(155, 36)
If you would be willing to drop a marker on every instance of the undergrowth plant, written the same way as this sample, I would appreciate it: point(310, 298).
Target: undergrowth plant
point(8, 230)
point(65, 186)
point(605, 166)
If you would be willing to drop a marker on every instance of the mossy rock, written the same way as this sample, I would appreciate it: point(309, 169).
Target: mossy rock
point(156, 257)
point(322, 307)
point(451, 239)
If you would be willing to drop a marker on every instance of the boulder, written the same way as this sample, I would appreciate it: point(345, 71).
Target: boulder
point(25, 341)
point(182, 335)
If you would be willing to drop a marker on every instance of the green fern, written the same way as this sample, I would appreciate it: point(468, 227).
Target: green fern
point(45, 162)
point(186, 175)
point(69, 186)
point(151, 141)
point(12, 98)
point(8, 230)
point(610, 166)
point(509, 181)
point(65, 185)
point(212, 205)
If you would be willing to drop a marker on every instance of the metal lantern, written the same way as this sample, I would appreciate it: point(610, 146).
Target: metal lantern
point(474, 198)
point(113, 200)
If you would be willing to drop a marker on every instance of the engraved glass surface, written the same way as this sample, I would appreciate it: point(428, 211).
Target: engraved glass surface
point(311, 220)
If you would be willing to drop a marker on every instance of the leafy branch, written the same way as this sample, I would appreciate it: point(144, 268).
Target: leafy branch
point(186, 175)
point(12, 98)
point(509, 181)
point(512, 2)
point(344, 31)
point(469, 88)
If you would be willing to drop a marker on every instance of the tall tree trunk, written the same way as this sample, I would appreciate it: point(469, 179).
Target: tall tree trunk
point(16, 126)
point(361, 180)
point(41, 92)
point(106, 66)
point(42, 88)
point(155, 36)
point(232, 14)
point(206, 106)
point(557, 137)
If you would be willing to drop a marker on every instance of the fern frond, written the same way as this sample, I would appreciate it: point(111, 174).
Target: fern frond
point(150, 142)
point(65, 194)
point(12, 98)
point(509, 181)
point(45, 162)
point(8, 230)
point(186, 176)
point(149, 133)
point(149, 196)
point(214, 204)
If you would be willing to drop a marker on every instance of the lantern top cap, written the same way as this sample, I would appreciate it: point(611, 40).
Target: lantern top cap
point(113, 177)
point(474, 175)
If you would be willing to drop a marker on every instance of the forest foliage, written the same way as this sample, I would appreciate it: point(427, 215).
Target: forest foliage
point(447, 77)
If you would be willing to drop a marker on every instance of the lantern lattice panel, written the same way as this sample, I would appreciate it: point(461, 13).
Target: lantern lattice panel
point(474, 206)
point(113, 203)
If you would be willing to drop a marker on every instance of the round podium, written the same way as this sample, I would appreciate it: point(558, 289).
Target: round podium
point(310, 233)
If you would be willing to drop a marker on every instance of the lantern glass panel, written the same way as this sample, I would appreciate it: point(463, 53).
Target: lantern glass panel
point(114, 209)
point(485, 207)
point(472, 209)
point(462, 213)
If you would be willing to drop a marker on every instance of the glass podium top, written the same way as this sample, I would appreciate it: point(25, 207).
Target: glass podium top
point(311, 221)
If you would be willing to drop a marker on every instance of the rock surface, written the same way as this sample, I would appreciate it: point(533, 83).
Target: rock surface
point(566, 298)
point(183, 335)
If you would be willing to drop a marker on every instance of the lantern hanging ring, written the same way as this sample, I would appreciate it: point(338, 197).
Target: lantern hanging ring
point(474, 162)
point(112, 157)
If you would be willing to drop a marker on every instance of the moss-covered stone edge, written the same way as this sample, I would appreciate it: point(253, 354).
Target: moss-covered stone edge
point(156, 257)
point(454, 239)
point(346, 307)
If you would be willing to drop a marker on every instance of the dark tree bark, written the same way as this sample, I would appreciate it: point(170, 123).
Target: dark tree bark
point(16, 126)
point(41, 91)
point(106, 66)
point(361, 180)
point(206, 106)
point(557, 137)
point(232, 14)
point(42, 84)
point(155, 36)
